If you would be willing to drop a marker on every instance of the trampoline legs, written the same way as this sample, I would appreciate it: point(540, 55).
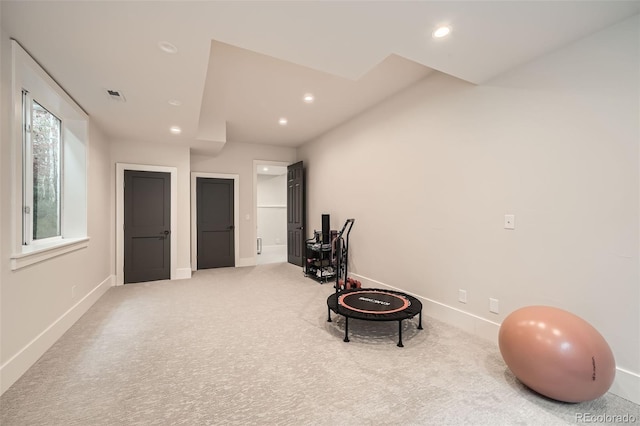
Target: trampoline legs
point(346, 329)
point(346, 326)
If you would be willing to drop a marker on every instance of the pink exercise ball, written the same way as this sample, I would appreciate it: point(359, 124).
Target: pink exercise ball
point(557, 353)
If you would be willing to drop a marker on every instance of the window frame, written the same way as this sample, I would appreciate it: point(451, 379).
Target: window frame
point(28, 75)
point(28, 210)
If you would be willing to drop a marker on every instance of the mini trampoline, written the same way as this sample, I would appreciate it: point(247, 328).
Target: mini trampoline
point(372, 304)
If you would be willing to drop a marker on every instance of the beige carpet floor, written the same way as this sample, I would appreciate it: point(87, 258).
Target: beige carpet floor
point(251, 346)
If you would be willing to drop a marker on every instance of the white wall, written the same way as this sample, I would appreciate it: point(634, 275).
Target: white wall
point(37, 304)
point(430, 174)
point(272, 209)
point(237, 158)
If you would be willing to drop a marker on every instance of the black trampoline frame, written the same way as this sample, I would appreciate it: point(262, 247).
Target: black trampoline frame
point(414, 308)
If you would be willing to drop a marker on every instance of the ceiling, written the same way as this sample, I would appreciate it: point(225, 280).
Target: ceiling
point(240, 66)
point(270, 170)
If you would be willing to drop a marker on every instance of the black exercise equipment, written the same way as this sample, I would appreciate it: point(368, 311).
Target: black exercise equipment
point(340, 248)
point(374, 304)
point(369, 304)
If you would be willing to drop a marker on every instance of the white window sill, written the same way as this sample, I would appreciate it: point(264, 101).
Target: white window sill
point(40, 252)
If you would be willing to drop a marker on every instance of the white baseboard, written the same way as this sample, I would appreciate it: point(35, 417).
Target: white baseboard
point(183, 273)
point(626, 384)
point(18, 364)
point(246, 261)
point(243, 261)
point(468, 322)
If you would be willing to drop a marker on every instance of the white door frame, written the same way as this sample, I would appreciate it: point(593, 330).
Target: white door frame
point(120, 169)
point(194, 214)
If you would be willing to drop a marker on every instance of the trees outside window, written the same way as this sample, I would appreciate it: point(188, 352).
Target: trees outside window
point(45, 149)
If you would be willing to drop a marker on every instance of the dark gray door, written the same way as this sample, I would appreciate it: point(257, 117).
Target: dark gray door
point(215, 223)
point(147, 226)
point(296, 213)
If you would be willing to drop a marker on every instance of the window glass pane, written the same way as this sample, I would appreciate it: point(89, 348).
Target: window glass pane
point(45, 143)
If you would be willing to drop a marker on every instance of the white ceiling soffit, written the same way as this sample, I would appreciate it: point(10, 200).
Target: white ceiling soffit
point(259, 55)
point(251, 92)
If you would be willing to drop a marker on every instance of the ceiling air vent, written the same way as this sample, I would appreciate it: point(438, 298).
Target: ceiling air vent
point(116, 95)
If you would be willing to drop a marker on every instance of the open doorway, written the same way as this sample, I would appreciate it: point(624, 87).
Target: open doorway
point(271, 213)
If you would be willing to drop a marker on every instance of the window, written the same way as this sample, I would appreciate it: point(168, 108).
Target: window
point(50, 178)
point(42, 172)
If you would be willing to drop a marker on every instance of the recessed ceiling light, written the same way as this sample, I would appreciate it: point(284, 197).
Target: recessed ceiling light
point(167, 47)
point(175, 130)
point(175, 102)
point(308, 98)
point(441, 31)
point(283, 121)
point(265, 169)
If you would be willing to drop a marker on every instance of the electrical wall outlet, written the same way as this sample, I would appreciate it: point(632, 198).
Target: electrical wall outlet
point(509, 221)
point(493, 306)
point(462, 296)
